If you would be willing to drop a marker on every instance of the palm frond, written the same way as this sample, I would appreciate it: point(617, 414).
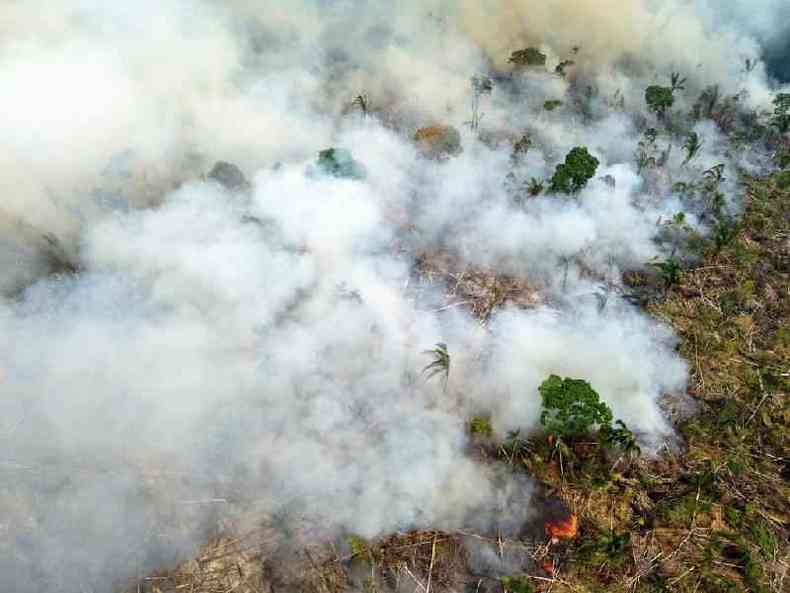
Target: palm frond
point(440, 365)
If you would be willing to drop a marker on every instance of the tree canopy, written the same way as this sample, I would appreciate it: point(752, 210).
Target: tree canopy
point(571, 407)
point(572, 175)
point(659, 98)
point(530, 56)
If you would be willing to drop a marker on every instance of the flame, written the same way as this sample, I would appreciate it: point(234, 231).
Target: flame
point(563, 528)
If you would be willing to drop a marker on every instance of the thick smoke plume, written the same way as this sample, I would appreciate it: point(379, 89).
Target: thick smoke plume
point(175, 354)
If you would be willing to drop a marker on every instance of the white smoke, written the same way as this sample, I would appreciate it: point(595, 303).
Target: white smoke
point(264, 349)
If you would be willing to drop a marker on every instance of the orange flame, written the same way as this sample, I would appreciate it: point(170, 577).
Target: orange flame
point(562, 529)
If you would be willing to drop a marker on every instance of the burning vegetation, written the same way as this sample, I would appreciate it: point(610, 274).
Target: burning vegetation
point(278, 340)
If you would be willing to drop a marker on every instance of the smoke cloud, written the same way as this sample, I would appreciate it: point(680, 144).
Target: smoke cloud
point(176, 356)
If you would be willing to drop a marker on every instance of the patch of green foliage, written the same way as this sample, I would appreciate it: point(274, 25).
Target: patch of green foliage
point(714, 583)
point(518, 584)
point(679, 512)
point(692, 146)
point(670, 270)
point(572, 175)
point(551, 104)
point(534, 186)
point(750, 568)
point(764, 538)
point(440, 365)
point(338, 162)
point(647, 150)
point(481, 426)
point(515, 446)
point(783, 180)
point(571, 407)
point(611, 548)
point(781, 116)
point(530, 56)
point(659, 98)
point(723, 233)
point(358, 545)
point(678, 82)
point(620, 437)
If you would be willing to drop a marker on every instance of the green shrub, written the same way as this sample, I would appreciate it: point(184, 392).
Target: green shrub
point(611, 547)
point(734, 516)
point(781, 117)
point(783, 180)
point(530, 56)
point(358, 545)
point(670, 269)
point(572, 175)
point(783, 159)
point(764, 538)
point(620, 437)
point(534, 186)
point(659, 98)
point(551, 105)
point(516, 585)
point(571, 407)
point(440, 365)
point(723, 233)
point(481, 425)
point(692, 146)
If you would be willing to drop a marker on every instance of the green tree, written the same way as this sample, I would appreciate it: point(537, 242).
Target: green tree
point(692, 146)
point(481, 426)
point(647, 150)
point(571, 407)
point(781, 117)
point(678, 83)
point(572, 175)
point(670, 270)
point(440, 365)
point(620, 437)
point(530, 56)
point(534, 186)
point(659, 98)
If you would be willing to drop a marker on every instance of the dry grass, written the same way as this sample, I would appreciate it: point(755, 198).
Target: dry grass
point(226, 564)
point(478, 290)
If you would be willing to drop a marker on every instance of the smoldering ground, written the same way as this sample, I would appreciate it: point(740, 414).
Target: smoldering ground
point(185, 355)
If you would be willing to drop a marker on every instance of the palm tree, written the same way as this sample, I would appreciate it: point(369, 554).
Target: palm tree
point(362, 102)
point(440, 365)
point(692, 146)
point(622, 438)
point(670, 269)
point(678, 83)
